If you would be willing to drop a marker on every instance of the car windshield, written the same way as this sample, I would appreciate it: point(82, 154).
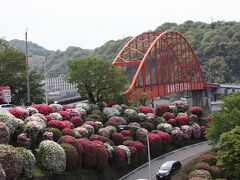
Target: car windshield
point(167, 165)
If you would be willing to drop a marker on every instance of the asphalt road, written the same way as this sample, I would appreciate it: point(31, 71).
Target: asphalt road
point(179, 154)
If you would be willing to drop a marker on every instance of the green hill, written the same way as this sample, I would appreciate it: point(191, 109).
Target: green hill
point(217, 45)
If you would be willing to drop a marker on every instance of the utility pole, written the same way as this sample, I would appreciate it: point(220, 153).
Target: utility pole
point(27, 69)
point(45, 76)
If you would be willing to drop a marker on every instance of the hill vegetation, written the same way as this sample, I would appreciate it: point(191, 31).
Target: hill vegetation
point(217, 45)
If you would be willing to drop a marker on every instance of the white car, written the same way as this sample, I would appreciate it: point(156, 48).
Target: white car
point(6, 106)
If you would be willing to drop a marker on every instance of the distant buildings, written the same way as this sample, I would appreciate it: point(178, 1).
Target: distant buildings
point(58, 88)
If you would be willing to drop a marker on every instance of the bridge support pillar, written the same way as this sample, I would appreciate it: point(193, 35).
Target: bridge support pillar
point(201, 98)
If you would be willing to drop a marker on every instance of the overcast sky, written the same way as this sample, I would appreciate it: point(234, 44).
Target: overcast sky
point(57, 24)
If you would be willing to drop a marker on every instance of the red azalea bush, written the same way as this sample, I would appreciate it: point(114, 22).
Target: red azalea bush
point(134, 157)
point(48, 118)
point(43, 109)
point(208, 119)
point(101, 156)
point(89, 153)
point(155, 144)
point(182, 120)
point(68, 131)
point(168, 115)
point(96, 137)
point(125, 132)
point(59, 124)
point(165, 137)
point(117, 138)
point(65, 107)
point(77, 121)
point(145, 109)
point(19, 112)
point(116, 121)
point(172, 121)
point(119, 158)
point(65, 115)
point(196, 110)
point(161, 109)
point(140, 147)
point(203, 131)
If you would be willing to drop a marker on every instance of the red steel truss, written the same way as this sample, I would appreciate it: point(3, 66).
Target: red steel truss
point(161, 62)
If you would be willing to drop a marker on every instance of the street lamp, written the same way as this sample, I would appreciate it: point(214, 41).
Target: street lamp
point(148, 147)
point(45, 77)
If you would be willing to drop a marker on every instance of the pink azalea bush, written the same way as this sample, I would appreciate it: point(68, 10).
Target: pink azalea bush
point(59, 124)
point(187, 131)
point(168, 115)
point(119, 158)
point(43, 109)
point(117, 138)
point(161, 109)
point(116, 121)
point(65, 115)
point(145, 109)
point(165, 137)
point(77, 121)
point(155, 144)
point(19, 112)
point(182, 119)
point(196, 110)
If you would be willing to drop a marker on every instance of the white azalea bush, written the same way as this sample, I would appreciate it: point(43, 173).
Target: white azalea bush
point(111, 129)
point(89, 128)
point(131, 114)
point(176, 135)
point(141, 117)
point(11, 122)
point(52, 157)
point(164, 127)
point(31, 110)
point(196, 131)
point(110, 112)
point(33, 128)
point(127, 152)
point(56, 116)
point(85, 106)
point(28, 161)
point(56, 107)
point(81, 132)
point(109, 149)
point(82, 111)
point(37, 119)
point(118, 107)
point(187, 131)
point(104, 132)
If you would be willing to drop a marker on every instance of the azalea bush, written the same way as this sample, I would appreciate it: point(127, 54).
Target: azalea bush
point(4, 134)
point(71, 156)
point(201, 174)
point(110, 112)
point(130, 114)
point(161, 109)
point(119, 157)
point(196, 110)
point(19, 112)
point(155, 145)
point(164, 127)
point(56, 107)
point(145, 109)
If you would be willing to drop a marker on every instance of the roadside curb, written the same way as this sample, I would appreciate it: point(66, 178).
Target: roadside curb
point(164, 155)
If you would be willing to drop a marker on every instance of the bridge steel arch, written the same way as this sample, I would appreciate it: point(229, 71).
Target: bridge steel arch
point(160, 62)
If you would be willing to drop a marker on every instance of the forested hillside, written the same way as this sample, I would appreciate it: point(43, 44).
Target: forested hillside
point(217, 45)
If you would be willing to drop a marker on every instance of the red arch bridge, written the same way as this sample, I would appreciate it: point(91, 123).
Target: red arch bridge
point(160, 62)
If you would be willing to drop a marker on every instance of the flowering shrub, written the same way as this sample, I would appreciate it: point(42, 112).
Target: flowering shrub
point(173, 109)
point(43, 109)
point(165, 137)
point(10, 161)
point(81, 132)
point(104, 132)
point(118, 107)
point(67, 106)
point(84, 106)
point(208, 119)
point(145, 109)
point(155, 144)
point(140, 148)
point(2, 173)
point(109, 149)
point(117, 138)
point(150, 117)
point(95, 137)
point(89, 153)
point(56, 107)
point(130, 114)
point(4, 134)
point(141, 117)
point(56, 133)
point(215, 172)
point(11, 122)
point(31, 111)
point(159, 120)
point(23, 140)
point(33, 128)
point(71, 156)
point(19, 112)
point(187, 131)
point(48, 118)
point(200, 173)
point(119, 157)
point(203, 131)
point(176, 135)
point(164, 127)
point(56, 116)
point(193, 119)
point(147, 125)
point(182, 119)
point(73, 112)
point(196, 131)
point(89, 128)
point(52, 156)
point(110, 112)
point(101, 156)
point(93, 124)
point(71, 140)
point(208, 158)
point(111, 129)
point(127, 152)
point(59, 124)
point(168, 115)
point(82, 111)
point(201, 165)
point(77, 121)
point(181, 105)
point(116, 121)
point(196, 110)
point(172, 122)
point(161, 109)
point(28, 161)
point(125, 132)
point(47, 136)
point(141, 134)
point(36, 119)
point(68, 131)
point(95, 117)
point(65, 115)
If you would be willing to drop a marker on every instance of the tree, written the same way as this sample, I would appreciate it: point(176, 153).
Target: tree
point(96, 78)
point(225, 119)
point(229, 153)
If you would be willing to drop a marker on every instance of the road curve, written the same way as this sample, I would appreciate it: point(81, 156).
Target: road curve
point(179, 154)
